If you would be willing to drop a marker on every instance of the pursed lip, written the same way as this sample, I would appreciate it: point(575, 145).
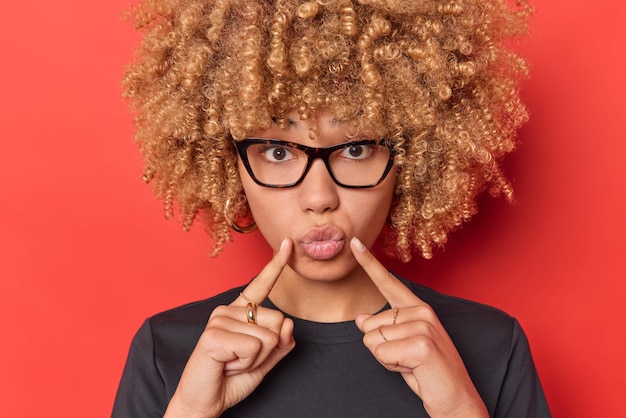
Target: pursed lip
point(322, 243)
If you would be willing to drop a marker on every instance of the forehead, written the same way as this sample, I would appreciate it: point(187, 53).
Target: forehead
point(324, 122)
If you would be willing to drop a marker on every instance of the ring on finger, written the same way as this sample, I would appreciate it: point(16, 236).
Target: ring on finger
point(380, 331)
point(395, 315)
point(251, 312)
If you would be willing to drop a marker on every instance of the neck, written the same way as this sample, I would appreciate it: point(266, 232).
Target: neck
point(326, 301)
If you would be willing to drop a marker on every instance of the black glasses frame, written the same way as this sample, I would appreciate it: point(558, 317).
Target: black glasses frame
point(312, 154)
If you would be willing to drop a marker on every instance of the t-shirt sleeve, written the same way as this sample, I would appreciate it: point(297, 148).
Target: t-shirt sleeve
point(521, 394)
point(141, 393)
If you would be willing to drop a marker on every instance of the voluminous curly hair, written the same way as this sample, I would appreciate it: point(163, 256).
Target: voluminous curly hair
point(433, 76)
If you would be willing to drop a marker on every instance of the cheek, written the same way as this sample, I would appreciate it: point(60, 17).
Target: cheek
point(253, 192)
point(369, 212)
point(258, 200)
point(384, 198)
point(269, 210)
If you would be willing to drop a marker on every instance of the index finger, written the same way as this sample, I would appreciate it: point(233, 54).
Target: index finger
point(262, 284)
point(396, 293)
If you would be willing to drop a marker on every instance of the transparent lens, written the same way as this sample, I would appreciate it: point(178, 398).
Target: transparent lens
point(276, 165)
point(357, 165)
point(360, 165)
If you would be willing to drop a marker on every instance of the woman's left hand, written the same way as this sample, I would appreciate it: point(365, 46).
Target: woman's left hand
point(410, 339)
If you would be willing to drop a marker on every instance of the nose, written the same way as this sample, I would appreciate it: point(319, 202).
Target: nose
point(318, 191)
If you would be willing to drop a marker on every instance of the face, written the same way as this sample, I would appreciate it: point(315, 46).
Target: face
point(318, 215)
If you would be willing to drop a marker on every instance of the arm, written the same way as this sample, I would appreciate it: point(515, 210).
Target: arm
point(230, 358)
point(411, 340)
point(238, 347)
point(521, 395)
point(141, 393)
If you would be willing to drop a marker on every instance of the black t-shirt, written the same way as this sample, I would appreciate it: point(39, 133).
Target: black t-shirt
point(330, 373)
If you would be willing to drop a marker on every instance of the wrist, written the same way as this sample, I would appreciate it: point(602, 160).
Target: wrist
point(471, 408)
point(177, 409)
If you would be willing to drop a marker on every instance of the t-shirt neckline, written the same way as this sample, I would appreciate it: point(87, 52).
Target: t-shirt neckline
point(323, 332)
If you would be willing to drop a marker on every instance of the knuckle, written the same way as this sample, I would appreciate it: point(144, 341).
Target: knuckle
point(422, 345)
point(215, 322)
point(423, 329)
point(212, 322)
point(388, 354)
point(270, 319)
point(425, 312)
point(208, 338)
point(218, 311)
point(370, 340)
point(271, 339)
point(255, 345)
point(273, 315)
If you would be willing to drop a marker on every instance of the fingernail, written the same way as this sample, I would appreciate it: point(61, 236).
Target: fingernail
point(283, 244)
point(358, 244)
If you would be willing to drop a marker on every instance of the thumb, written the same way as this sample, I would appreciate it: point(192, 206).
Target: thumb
point(360, 318)
point(285, 345)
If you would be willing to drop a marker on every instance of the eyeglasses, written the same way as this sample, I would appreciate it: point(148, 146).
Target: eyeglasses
point(281, 164)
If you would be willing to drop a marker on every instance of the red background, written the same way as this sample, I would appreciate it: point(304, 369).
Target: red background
point(85, 254)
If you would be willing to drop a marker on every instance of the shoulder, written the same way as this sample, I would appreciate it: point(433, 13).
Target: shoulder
point(451, 309)
point(482, 333)
point(194, 313)
point(169, 337)
point(177, 330)
point(494, 349)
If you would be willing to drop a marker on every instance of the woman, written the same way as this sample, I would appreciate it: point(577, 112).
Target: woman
point(328, 125)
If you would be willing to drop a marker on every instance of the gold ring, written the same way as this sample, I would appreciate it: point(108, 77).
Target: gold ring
point(380, 331)
point(251, 312)
point(395, 314)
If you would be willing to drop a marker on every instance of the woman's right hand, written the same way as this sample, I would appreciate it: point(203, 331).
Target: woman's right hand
point(232, 355)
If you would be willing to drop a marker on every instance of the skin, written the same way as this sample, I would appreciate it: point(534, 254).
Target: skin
point(329, 290)
point(232, 355)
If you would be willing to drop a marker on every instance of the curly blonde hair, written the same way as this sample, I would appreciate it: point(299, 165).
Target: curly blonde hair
point(434, 76)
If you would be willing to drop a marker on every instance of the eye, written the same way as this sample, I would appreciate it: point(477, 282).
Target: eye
point(277, 154)
point(356, 152)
